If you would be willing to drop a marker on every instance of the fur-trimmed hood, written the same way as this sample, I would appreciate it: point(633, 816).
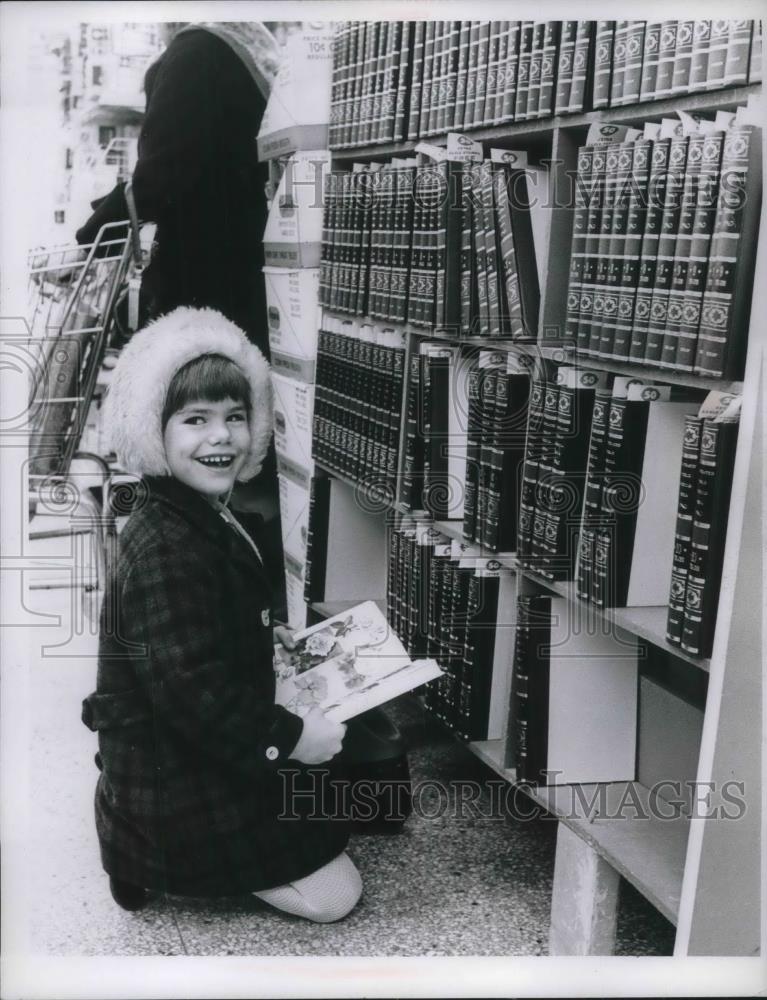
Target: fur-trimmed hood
point(143, 373)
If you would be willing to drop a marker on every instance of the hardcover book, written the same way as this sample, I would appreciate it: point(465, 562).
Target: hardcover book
point(346, 665)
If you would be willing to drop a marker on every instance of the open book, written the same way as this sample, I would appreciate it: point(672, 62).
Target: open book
point(346, 665)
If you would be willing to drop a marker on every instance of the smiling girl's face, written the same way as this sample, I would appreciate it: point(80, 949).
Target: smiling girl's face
point(206, 445)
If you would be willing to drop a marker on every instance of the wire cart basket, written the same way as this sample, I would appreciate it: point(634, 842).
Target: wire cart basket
point(73, 293)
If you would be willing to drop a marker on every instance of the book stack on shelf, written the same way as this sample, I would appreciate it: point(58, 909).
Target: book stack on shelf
point(360, 375)
point(438, 241)
point(555, 426)
point(655, 60)
point(663, 247)
point(400, 80)
point(457, 608)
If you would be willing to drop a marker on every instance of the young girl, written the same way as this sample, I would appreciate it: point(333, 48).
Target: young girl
point(195, 757)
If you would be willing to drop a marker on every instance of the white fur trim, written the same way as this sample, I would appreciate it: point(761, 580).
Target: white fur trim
point(143, 373)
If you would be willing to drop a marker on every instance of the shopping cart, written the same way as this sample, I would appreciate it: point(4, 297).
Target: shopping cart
point(73, 294)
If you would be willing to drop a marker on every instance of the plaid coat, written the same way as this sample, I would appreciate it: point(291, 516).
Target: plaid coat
point(194, 754)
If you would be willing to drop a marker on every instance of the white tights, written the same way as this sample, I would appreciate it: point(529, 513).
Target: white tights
point(324, 896)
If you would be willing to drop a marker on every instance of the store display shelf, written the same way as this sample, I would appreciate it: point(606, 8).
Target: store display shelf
point(566, 353)
point(644, 622)
point(715, 100)
point(639, 834)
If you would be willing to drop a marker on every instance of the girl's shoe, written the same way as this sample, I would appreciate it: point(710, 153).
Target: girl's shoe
point(129, 897)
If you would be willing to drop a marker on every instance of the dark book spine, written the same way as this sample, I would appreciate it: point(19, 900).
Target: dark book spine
point(500, 76)
point(569, 465)
point(717, 53)
point(583, 67)
point(700, 244)
point(510, 298)
point(664, 79)
point(544, 493)
point(471, 75)
point(548, 69)
point(656, 198)
point(395, 59)
point(527, 269)
point(738, 52)
point(447, 106)
point(404, 61)
point(437, 396)
point(489, 382)
point(603, 63)
point(511, 73)
point(316, 540)
point(611, 290)
point(632, 247)
point(416, 86)
point(480, 255)
point(511, 440)
point(523, 70)
point(565, 67)
point(428, 76)
point(441, 28)
point(494, 468)
point(582, 201)
point(624, 455)
point(336, 85)
point(530, 470)
point(726, 306)
point(585, 564)
point(690, 191)
point(619, 62)
point(480, 86)
point(667, 243)
point(688, 484)
point(650, 60)
point(602, 264)
point(477, 667)
point(591, 248)
point(701, 46)
point(491, 254)
point(468, 272)
point(531, 685)
point(680, 79)
point(412, 462)
point(487, 114)
point(534, 73)
point(378, 112)
point(473, 450)
point(461, 75)
point(632, 80)
point(709, 527)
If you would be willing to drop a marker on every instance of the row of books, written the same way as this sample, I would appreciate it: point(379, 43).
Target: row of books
point(398, 80)
point(663, 247)
point(656, 60)
point(442, 244)
point(708, 459)
point(457, 610)
point(358, 401)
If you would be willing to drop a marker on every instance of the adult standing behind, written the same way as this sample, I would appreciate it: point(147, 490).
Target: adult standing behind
point(197, 176)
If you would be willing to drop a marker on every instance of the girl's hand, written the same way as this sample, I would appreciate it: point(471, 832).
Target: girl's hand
point(320, 739)
point(283, 635)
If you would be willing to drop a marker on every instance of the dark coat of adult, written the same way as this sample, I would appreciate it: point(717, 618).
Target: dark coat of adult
point(197, 178)
point(194, 754)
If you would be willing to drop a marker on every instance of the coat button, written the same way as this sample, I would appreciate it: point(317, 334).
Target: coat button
point(272, 753)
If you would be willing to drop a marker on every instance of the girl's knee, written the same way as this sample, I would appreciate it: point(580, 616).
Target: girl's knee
point(335, 905)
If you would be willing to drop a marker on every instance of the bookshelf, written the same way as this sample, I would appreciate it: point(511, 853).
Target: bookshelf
point(679, 863)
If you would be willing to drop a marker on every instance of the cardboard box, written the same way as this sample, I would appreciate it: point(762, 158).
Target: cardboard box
point(298, 110)
point(293, 233)
point(294, 517)
point(293, 317)
point(293, 416)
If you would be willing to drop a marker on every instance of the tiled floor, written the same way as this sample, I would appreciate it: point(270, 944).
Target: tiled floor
point(475, 885)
